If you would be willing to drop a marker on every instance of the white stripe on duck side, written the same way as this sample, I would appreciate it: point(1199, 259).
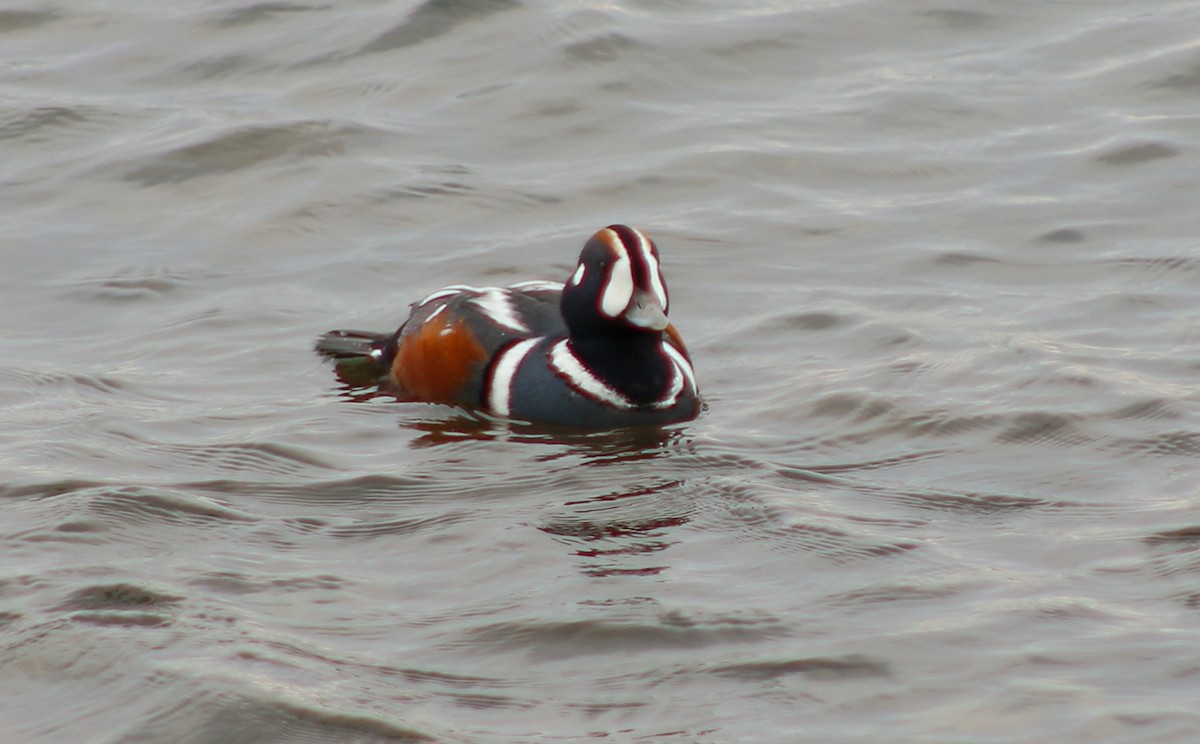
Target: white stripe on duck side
point(674, 390)
point(580, 378)
point(504, 371)
point(537, 285)
point(497, 304)
point(445, 292)
point(683, 368)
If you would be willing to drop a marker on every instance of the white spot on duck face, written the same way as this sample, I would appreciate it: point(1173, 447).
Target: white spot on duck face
point(577, 277)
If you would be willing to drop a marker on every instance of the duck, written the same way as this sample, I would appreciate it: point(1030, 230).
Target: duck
point(594, 352)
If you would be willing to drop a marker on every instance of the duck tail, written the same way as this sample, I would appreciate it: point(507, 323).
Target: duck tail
point(353, 345)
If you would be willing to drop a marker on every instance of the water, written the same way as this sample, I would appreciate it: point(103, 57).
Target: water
point(936, 263)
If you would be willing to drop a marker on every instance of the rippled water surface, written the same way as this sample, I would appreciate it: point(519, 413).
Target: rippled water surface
point(937, 263)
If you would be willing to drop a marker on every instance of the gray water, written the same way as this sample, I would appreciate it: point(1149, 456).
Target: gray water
point(938, 265)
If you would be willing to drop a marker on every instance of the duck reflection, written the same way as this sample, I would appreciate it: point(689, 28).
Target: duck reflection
point(614, 532)
point(618, 445)
point(358, 381)
point(621, 532)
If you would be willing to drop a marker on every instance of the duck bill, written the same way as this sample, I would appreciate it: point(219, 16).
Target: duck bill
point(645, 311)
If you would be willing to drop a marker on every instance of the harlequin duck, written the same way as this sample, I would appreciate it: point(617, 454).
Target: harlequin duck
point(595, 353)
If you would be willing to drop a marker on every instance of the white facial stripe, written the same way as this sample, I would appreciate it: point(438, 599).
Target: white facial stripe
point(577, 277)
point(618, 287)
point(656, 281)
point(565, 363)
point(497, 305)
point(504, 371)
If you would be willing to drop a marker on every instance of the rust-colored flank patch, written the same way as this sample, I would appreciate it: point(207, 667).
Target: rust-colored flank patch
point(436, 362)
